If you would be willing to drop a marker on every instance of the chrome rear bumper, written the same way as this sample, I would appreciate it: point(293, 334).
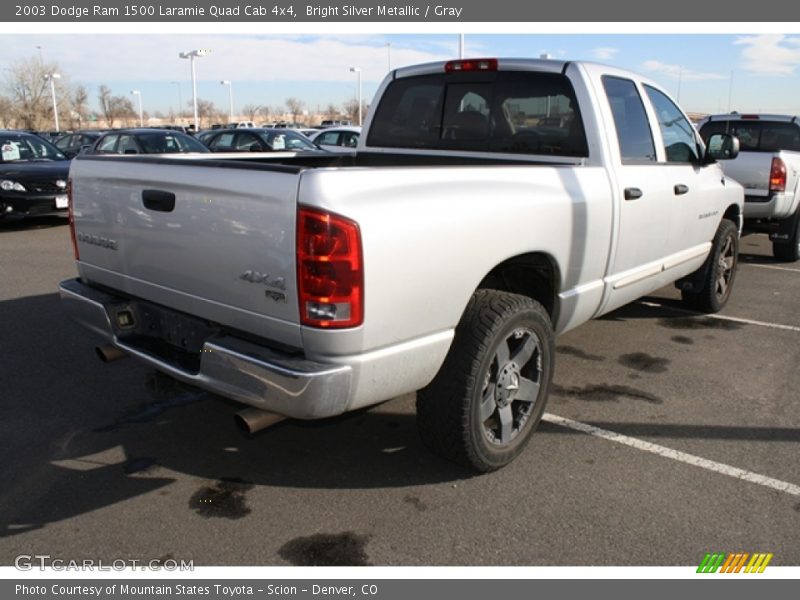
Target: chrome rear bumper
point(231, 367)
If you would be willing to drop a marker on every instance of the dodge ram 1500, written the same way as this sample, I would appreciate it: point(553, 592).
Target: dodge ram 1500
point(492, 204)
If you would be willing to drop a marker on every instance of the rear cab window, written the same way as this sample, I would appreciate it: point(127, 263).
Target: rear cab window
point(510, 112)
point(757, 135)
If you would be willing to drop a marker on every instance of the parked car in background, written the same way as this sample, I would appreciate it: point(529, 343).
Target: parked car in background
point(145, 141)
point(335, 123)
point(768, 166)
point(241, 125)
point(33, 176)
point(257, 140)
point(71, 144)
point(337, 138)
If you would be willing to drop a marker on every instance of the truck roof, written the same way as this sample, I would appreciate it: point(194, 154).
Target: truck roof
point(751, 117)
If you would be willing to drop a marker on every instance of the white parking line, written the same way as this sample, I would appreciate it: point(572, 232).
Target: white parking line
point(773, 267)
point(724, 317)
point(689, 459)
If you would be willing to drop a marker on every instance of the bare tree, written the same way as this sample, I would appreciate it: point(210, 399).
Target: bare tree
point(6, 109)
point(29, 92)
point(116, 108)
point(79, 107)
point(251, 111)
point(333, 111)
point(295, 107)
point(207, 113)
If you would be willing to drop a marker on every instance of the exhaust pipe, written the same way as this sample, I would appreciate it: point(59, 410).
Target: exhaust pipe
point(109, 353)
point(253, 420)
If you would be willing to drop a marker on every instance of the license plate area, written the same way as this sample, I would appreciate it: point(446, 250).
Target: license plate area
point(172, 336)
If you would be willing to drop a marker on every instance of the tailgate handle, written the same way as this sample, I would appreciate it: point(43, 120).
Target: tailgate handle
point(681, 189)
point(158, 200)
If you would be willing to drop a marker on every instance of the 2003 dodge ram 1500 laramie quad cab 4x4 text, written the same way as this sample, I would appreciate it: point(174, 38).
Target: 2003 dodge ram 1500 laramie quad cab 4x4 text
point(492, 204)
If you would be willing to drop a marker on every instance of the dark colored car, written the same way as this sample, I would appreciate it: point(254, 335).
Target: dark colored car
point(258, 140)
point(71, 144)
point(33, 176)
point(146, 141)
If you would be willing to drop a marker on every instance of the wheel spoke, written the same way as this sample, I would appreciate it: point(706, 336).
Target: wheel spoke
point(506, 423)
point(502, 354)
point(722, 286)
point(528, 390)
point(488, 405)
point(524, 352)
point(728, 263)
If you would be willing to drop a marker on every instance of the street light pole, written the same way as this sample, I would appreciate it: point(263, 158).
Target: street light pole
point(52, 78)
point(191, 55)
point(358, 71)
point(230, 97)
point(141, 114)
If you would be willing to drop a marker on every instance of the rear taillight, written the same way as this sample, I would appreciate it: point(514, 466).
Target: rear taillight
point(330, 272)
point(474, 64)
point(71, 215)
point(777, 176)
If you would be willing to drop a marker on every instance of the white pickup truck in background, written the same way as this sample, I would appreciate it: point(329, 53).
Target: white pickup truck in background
point(768, 167)
point(491, 205)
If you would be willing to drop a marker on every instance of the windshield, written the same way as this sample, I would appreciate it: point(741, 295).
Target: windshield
point(288, 140)
point(169, 143)
point(15, 147)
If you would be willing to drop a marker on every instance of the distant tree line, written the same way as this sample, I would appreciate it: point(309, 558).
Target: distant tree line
point(26, 102)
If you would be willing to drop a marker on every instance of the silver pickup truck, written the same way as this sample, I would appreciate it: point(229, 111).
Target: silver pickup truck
point(768, 167)
point(492, 204)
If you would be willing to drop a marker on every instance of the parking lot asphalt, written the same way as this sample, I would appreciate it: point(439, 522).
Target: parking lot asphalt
point(687, 438)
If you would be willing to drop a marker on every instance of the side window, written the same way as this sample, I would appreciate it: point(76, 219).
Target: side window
point(350, 139)
point(127, 145)
point(223, 141)
point(329, 139)
point(246, 142)
point(633, 129)
point(65, 142)
point(108, 144)
point(680, 142)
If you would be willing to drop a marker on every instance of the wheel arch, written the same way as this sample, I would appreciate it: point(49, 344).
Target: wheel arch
point(533, 274)
point(734, 214)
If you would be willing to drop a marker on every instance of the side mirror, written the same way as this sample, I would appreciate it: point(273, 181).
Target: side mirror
point(722, 146)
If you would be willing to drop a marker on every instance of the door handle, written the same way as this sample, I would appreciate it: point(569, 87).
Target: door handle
point(681, 189)
point(158, 200)
point(633, 193)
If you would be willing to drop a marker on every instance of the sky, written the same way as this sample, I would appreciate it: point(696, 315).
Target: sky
point(706, 72)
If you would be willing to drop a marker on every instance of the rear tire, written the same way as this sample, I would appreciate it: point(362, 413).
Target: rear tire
point(719, 271)
point(487, 399)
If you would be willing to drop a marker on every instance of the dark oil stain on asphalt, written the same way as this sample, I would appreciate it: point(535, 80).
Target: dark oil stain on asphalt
point(682, 339)
point(641, 361)
point(578, 353)
point(225, 499)
point(137, 465)
point(416, 503)
point(690, 323)
point(327, 550)
point(605, 393)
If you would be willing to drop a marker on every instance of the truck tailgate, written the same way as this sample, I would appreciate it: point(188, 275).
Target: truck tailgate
point(752, 170)
point(213, 238)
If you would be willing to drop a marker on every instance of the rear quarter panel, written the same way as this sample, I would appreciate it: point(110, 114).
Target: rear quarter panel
point(430, 235)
